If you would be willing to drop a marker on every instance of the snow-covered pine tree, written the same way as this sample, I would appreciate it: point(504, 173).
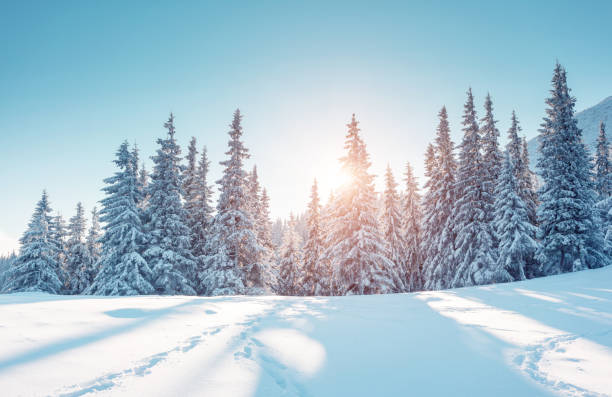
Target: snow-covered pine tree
point(603, 166)
point(316, 269)
point(438, 208)
point(603, 185)
point(528, 183)
point(191, 191)
point(36, 268)
point(393, 233)
point(291, 264)
point(233, 262)
point(356, 247)
point(94, 248)
point(569, 228)
point(59, 235)
point(515, 233)
point(168, 249)
point(202, 215)
point(78, 270)
point(121, 269)
point(475, 256)
point(264, 225)
point(411, 229)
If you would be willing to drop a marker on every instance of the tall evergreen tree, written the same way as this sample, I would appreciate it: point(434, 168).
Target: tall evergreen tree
point(233, 260)
point(291, 264)
point(516, 234)
point(393, 233)
point(78, 262)
point(569, 223)
point(411, 226)
point(191, 191)
point(169, 240)
point(202, 209)
point(36, 268)
point(438, 207)
point(527, 184)
point(603, 166)
point(356, 247)
point(122, 269)
point(475, 255)
point(316, 269)
point(94, 248)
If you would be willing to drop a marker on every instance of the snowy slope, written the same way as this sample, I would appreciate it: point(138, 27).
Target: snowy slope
point(535, 338)
point(588, 121)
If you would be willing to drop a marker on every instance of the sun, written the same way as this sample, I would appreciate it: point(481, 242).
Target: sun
point(341, 178)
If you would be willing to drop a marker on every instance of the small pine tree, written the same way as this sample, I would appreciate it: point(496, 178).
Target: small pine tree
point(411, 226)
point(169, 241)
point(78, 269)
point(528, 183)
point(36, 268)
point(603, 166)
point(316, 269)
point(516, 234)
point(291, 264)
point(94, 248)
point(570, 232)
point(393, 233)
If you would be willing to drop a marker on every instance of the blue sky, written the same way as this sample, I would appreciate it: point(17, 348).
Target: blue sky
point(77, 78)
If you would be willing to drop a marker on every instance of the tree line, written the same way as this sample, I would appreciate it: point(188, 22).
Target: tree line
point(483, 218)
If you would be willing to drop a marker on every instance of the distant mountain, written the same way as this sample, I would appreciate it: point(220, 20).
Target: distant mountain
point(588, 121)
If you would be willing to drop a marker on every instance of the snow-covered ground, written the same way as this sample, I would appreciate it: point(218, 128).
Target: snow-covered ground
point(541, 337)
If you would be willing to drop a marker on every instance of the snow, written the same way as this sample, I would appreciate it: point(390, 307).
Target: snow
point(542, 337)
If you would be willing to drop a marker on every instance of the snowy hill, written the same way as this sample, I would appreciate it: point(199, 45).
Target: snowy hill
point(588, 121)
point(549, 336)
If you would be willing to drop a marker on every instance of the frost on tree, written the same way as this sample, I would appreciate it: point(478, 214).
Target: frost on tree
point(291, 264)
point(78, 264)
point(316, 268)
point(475, 256)
point(233, 263)
point(491, 161)
point(122, 269)
point(393, 234)
point(603, 185)
point(92, 241)
point(36, 268)
point(515, 233)
point(356, 249)
point(168, 249)
point(411, 229)
point(569, 228)
point(438, 240)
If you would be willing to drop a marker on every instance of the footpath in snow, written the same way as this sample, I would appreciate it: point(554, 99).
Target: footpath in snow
point(542, 337)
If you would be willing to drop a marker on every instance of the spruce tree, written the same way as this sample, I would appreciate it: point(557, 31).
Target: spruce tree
point(569, 228)
point(528, 191)
point(603, 166)
point(516, 234)
point(316, 272)
point(291, 264)
point(475, 257)
point(36, 268)
point(438, 209)
point(411, 227)
point(94, 248)
point(191, 191)
point(202, 210)
point(121, 269)
point(168, 249)
point(356, 247)
point(393, 233)
point(78, 264)
point(232, 264)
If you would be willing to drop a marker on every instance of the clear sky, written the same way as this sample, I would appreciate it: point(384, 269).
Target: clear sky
point(77, 78)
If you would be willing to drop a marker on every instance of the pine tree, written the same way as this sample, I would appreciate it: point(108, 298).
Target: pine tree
point(393, 233)
point(169, 239)
point(264, 225)
point(122, 269)
point(233, 252)
point(36, 268)
point(569, 231)
point(191, 191)
point(291, 264)
point(202, 210)
point(516, 234)
point(603, 166)
point(527, 184)
point(356, 247)
point(58, 236)
point(411, 226)
point(94, 248)
point(316, 269)
point(476, 260)
point(78, 268)
point(438, 208)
